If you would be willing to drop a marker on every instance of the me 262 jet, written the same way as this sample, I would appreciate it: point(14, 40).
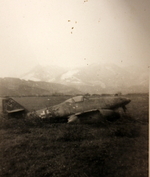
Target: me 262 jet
point(75, 109)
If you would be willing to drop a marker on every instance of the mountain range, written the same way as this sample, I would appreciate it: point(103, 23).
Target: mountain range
point(96, 78)
point(20, 87)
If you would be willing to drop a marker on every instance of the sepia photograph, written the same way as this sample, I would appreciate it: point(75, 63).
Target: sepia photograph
point(74, 88)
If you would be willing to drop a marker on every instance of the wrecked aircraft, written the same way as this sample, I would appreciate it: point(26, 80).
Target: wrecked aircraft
point(73, 109)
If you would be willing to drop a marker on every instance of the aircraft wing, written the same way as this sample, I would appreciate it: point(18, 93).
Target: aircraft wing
point(83, 112)
point(109, 114)
point(75, 117)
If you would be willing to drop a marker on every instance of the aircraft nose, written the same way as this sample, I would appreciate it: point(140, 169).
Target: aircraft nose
point(127, 100)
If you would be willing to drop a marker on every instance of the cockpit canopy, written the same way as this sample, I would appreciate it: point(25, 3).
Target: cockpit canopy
point(75, 99)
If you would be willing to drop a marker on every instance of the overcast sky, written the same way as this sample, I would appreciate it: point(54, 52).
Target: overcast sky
point(72, 33)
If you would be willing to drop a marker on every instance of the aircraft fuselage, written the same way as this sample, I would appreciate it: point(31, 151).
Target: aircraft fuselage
point(79, 105)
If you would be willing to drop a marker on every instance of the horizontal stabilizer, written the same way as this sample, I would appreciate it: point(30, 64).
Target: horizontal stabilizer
point(16, 110)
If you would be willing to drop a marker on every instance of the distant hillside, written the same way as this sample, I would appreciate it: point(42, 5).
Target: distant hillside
point(95, 78)
point(43, 73)
point(19, 87)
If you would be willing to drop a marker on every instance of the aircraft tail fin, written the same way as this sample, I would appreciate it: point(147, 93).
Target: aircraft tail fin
point(9, 106)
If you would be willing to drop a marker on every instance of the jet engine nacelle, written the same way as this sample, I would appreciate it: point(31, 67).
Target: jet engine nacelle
point(95, 117)
point(109, 115)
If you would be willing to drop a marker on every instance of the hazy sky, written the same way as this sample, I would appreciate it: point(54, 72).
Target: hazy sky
point(72, 33)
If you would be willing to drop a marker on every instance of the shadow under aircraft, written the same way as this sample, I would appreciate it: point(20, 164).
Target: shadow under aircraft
point(77, 109)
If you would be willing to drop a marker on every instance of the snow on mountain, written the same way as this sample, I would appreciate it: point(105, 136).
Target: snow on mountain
point(70, 77)
point(43, 73)
point(30, 76)
point(95, 78)
point(69, 74)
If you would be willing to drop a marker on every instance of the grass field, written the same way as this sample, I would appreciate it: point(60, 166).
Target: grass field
point(36, 148)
